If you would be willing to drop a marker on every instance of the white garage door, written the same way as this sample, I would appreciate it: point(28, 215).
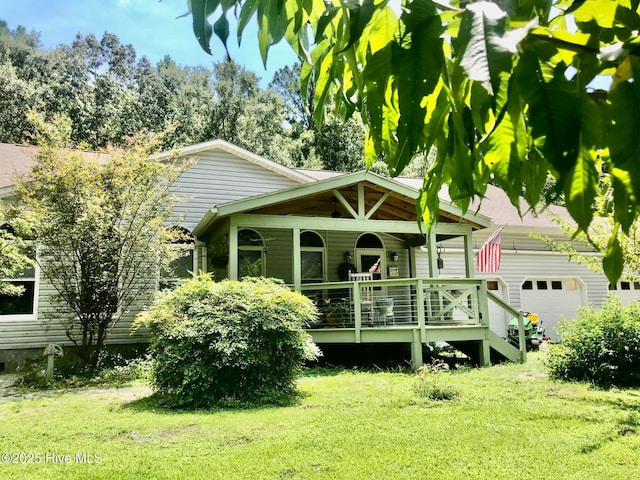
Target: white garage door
point(498, 317)
point(627, 291)
point(552, 299)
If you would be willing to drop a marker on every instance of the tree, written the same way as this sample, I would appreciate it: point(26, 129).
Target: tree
point(338, 143)
point(101, 225)
point(504, 90)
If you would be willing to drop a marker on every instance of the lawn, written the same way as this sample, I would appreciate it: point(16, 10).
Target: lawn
point(509, 422)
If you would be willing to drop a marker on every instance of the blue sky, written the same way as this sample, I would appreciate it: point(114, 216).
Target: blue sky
point(149, 25)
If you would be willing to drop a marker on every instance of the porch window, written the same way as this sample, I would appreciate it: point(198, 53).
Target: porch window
point(24, 303)
point(312, 257)
point(182, 267)
point(250, 253)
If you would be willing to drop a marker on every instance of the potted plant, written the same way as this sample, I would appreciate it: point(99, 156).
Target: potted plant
point(337, 311)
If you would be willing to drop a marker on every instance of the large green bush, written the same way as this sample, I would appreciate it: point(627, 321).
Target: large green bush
point(601, 346)
point(226, 342)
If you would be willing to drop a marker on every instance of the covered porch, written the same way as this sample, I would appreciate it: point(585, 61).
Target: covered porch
point(352, 244)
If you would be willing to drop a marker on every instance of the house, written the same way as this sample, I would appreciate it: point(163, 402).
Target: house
point(349, 241)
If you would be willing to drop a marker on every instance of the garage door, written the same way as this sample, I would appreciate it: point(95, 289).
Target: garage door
point(627, 291)
point(498, 317)
point(552, 299)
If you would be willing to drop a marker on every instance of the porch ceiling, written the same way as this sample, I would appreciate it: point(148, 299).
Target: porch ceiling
point(395, 206)
point(360, 196)
point(324, 204)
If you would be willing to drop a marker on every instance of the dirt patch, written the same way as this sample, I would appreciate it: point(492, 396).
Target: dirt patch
point(8, 388)
point(10, 391)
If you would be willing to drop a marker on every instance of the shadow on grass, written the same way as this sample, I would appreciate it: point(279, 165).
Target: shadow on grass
point(166, 404)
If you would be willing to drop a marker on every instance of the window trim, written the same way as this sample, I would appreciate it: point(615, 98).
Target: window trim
point(253, 248)
point(322, 250)
point(36, 293)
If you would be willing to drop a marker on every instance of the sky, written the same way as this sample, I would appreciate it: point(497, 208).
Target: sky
point(150, 26)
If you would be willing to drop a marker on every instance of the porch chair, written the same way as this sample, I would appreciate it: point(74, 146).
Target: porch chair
point(366, 296)
point(384, 311)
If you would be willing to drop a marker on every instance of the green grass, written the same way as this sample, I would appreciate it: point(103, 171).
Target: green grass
point(507, 422)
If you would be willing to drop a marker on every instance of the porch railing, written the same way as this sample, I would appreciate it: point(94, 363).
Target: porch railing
point(411, 302)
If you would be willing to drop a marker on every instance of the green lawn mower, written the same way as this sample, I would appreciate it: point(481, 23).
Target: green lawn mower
point(534, 332)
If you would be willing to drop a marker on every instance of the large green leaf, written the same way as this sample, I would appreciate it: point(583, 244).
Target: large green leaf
point(613, 261)
point(200, 10)
point(580, 188)
point(484, 49)
point(624, 146)
point(555, 108)
point(221, 29)
point(603, 12)
point(418, 60)
point(360, 14)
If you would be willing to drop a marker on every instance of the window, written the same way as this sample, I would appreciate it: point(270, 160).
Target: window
point(556, 285)
point(181, 267)
point(369, 240)
point(250, 253)
point(24, 303)
point(541, 285)
point(625, 286)
point(527, 285)
point(492, 285)
point(311, 257)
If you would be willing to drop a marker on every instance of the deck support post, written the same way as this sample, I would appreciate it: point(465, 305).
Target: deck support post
point(416, 351)
point(485, 353)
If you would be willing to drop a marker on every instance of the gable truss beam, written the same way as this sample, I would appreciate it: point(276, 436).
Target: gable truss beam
point(345, 204)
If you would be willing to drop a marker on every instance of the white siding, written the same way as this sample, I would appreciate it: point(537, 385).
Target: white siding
point(219, 177)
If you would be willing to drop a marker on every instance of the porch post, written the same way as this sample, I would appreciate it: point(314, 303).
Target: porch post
point(469, 267)
point(297, 269)
point(233, 250)
point(416, 351)
point(433, 255)
point(199, 257)
point(485, 354)
point(420, 307)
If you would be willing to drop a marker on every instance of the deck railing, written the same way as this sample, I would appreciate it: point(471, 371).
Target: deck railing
point(397, 302)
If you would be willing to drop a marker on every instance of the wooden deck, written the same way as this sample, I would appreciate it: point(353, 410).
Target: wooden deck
point(413, 310)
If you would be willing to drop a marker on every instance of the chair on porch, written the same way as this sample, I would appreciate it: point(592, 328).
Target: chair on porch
point(366, 295)
point(384, 311)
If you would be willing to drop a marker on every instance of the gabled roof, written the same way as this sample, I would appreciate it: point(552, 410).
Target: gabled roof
point(295, 196)
point(194, 150)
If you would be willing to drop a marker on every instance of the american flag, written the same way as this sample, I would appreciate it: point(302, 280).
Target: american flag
point(488, 257)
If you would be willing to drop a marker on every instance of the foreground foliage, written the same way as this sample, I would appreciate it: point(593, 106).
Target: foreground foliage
point(504, 90)
point(215, 343)
point(601, 346)
point(346, 425)
point(95, 218)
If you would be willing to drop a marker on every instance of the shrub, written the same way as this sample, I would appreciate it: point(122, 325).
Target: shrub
point(601, 346)
point(431, 383)
point(216, 343)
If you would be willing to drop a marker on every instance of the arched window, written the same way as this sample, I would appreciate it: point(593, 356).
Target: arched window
point(250, 253)
point(312, 257)
point(369, 240)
